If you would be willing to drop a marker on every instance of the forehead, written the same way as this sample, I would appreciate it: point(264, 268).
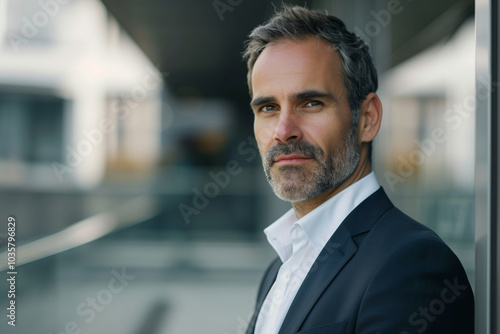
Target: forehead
point(297, 65)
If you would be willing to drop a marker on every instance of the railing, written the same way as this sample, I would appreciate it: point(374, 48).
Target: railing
point(87, 230)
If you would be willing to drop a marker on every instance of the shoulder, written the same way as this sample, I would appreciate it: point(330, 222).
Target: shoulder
point(401, 234)
point(397, 245)
point(414, 270)
point(404, 231)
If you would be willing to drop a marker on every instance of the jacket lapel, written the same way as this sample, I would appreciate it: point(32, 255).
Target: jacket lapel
point(337, 252)
point(267, 283)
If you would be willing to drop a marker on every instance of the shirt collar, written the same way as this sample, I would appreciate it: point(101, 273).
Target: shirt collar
point(320, 224)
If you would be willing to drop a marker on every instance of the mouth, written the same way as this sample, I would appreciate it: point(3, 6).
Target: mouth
point(291, 159)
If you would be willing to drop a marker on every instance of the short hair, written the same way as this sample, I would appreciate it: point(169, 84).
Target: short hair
point(298, 23)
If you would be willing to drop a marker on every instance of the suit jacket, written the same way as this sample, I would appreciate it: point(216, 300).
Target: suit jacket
point(380, 272)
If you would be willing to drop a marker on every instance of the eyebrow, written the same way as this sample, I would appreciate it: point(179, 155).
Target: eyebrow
point(314, 94)
point(262, 100)
point(305, 95)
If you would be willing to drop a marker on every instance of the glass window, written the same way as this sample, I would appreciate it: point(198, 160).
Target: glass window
point(31, 127)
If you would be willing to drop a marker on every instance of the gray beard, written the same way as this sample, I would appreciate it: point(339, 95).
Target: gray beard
point(298, 183)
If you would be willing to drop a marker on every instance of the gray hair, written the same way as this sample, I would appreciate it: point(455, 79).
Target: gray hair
point(297, 23)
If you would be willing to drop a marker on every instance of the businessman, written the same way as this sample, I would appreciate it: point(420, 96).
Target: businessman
point(348, 260)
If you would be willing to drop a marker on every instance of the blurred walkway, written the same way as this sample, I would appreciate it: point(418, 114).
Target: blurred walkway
point(147, 287)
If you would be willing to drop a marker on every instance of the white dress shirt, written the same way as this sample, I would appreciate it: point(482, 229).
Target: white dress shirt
point(298, 243)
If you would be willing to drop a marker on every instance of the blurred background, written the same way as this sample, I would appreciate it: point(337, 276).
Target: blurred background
point(128, 160)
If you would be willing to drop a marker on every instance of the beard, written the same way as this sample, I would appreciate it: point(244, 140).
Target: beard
point(296, 183)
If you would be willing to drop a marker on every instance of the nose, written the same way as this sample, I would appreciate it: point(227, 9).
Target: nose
point(287, 128)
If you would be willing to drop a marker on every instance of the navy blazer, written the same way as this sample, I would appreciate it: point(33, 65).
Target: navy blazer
point(380, 272)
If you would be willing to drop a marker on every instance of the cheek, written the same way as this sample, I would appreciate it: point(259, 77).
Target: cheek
point(327, 135)
point(264, 133)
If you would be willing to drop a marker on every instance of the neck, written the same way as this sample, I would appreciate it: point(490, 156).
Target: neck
point(304, 207)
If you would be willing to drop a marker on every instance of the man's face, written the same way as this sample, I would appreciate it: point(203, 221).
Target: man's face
point(302, 118)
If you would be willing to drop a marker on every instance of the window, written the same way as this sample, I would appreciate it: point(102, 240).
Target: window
point(31, 127)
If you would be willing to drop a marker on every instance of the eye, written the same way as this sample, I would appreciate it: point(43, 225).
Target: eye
point(267, 108)
point(313, 103)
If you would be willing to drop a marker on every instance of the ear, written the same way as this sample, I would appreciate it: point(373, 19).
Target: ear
point(370, 118)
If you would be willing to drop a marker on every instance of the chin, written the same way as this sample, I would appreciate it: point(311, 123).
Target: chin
point(294, 194)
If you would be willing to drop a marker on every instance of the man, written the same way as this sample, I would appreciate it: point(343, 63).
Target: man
point(348, 260)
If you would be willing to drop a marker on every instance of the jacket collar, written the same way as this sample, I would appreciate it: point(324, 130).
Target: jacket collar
point(336, 253)
point(319, 224)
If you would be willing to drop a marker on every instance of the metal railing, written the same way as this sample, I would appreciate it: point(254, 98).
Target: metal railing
point(87, 230)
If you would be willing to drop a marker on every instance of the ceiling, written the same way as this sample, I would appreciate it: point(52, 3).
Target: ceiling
point(200, 46)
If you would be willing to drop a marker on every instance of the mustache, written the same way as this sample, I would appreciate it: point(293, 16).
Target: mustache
point(295, 147)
